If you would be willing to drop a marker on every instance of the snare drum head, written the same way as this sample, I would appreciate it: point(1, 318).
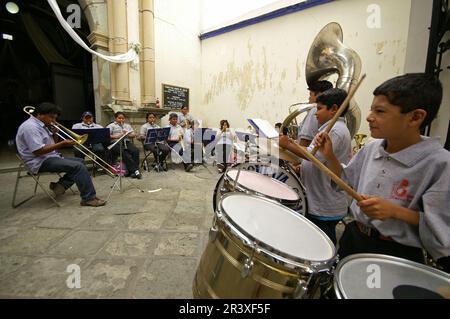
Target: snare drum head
point(263, 184)
point(373, 276)
point(277, 227)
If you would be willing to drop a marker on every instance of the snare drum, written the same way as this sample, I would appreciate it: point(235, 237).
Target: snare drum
point(279, 183)
point(374, 276)
point(261, 249)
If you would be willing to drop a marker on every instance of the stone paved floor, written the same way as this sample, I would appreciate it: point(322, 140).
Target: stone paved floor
point(140, 245)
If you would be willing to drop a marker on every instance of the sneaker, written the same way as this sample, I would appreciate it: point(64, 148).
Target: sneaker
point(220, 167)
point(57, 188)
point(188, 167)
point(94, 202)
point(137, 174)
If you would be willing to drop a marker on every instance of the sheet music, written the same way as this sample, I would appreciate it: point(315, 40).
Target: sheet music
point(263, 128)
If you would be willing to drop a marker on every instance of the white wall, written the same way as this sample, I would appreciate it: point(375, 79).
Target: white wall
point(177, 47)
point(258, 71)
point(439, 126)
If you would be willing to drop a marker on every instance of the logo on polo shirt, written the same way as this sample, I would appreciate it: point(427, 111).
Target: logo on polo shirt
point(400, 190)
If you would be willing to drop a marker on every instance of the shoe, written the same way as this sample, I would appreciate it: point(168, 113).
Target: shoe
point(220, 168)
point(57, 188)
point(94, 202)
point(188, 167)
point(165, 167)
point(137, 174)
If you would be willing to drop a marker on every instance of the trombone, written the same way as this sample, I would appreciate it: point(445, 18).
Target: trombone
point(79, 139)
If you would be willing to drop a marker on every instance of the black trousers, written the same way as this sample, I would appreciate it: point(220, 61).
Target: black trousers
point(160, 151)
point(353, 241)
point(130, 156)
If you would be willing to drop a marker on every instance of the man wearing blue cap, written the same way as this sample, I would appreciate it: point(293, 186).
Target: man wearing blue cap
point(87, 122)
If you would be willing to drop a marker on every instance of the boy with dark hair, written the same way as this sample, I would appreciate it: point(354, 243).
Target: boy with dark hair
point(309, 126)
point(326, 206)
point(403, 177)
point(130, 153)
point(174, 140)
point(37, 148)
point(159, 150)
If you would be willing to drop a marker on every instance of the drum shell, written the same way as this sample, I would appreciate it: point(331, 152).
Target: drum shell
point(271, 276)
point(219, 274)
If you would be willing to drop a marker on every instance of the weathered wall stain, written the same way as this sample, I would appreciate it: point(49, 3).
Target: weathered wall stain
point(244, 79)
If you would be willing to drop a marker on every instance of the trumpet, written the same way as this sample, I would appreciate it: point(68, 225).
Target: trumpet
point(79, 140)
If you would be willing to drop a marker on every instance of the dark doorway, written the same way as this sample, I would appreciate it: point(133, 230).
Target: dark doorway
point(40, 62)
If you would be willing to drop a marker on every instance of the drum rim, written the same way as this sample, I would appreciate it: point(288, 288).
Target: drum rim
point(337, 283)
point(269, 251)
point(285, 167)
point(272, 179)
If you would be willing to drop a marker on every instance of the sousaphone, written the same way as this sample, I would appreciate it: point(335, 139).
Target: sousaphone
point(328, 55)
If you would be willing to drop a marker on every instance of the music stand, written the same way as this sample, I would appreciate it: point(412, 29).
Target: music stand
point(118, 178)
point(248, 139)
point(95, 136)
point(154, 137)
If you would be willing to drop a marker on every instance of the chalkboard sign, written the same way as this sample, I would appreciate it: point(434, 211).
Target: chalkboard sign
point(175, 97)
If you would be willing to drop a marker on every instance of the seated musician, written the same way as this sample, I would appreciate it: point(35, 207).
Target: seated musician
point(87, 122)
point(175, 138)
point(184, 117)
point(159, 150)
point(130, 154)
point(37, 148)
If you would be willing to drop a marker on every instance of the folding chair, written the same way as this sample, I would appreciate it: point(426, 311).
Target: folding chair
point(157, 164)
point(23, 166)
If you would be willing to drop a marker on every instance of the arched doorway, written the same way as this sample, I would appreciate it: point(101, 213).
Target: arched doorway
point(40, 62)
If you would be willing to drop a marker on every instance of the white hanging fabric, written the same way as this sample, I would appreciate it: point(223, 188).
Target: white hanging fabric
point(131, 55)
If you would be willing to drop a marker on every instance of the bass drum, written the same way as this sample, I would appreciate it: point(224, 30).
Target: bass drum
point(283, 173)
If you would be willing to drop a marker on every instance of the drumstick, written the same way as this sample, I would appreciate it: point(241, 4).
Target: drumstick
point(327, 171)
point(341, 109)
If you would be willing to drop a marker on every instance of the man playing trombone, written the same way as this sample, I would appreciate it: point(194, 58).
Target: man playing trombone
point(37, 148)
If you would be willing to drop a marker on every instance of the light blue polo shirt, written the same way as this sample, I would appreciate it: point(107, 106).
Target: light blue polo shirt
point(32, 135)
point(324, 201)
point(418, 178)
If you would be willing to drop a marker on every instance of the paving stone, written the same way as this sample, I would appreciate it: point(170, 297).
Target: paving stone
point(82, 243)
point(167, 278)
point(10, 263)
point(107, 222)
point(128, 244)
point(66, 219)
point(105, 279)
point(147, 221)
point(184, 244)
point(6, 232)
point(31, 241)
point(44, 278)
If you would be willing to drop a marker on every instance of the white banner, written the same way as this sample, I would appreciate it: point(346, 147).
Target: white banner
point(131, 55)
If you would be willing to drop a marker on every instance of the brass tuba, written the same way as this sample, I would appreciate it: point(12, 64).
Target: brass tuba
point(328, 55)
